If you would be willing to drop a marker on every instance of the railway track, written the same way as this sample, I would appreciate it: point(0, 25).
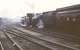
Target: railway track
point(26, 44)
point(43, 42)
point(69, 36)
point(67, 41)
point(21, 43)
point(6, 43)
point(1, 47)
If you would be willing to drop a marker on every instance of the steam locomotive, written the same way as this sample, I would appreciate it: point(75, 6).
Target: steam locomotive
point(41, 20)
point(66, 19)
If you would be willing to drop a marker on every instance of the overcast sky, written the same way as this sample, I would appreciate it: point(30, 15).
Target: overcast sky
point(13, 8)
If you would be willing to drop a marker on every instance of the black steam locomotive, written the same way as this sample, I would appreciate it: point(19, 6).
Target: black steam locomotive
point(41, 20)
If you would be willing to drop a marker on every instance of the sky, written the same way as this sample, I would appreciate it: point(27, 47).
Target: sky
point(18, 8)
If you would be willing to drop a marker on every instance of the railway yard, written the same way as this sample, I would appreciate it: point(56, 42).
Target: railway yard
point(18, 38)
point(24, 26)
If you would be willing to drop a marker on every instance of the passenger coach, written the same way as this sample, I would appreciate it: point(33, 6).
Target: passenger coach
point(68, 19)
